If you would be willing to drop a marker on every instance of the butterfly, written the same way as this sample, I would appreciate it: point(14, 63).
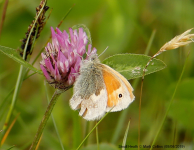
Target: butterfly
point(99, 89)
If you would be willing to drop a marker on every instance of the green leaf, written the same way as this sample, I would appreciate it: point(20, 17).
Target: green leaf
point(102, 146)
point(12, 53)
point(131, 65)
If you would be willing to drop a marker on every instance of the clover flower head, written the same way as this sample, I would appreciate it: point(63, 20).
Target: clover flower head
point(61, 61)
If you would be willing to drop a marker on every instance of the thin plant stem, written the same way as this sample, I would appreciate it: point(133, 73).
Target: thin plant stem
point(50, 35)
point(19, 80)
point(57, 132)
point(17, 88)
point(14, 98)
point(124, 113)
point(70, 9)
point(93, 129)
point(86, 130)
point(87, 136)
point(171, 100)
point(11, 147)
point(97, 139)
point(45, 118)
point(54, 123)
point(16, 91)
point(5, 102)
point(3, 15)
point(139, 119)
point(119, 126)
point(174, 133)
point(150, 42)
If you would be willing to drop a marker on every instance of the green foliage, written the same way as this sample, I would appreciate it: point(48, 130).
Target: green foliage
point(182, 108)
point(12, 53)
point(132, 65)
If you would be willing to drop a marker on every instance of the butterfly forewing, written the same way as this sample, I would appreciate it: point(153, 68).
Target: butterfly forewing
point(118, 89)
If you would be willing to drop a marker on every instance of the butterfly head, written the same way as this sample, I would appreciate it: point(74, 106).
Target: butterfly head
point(93, 58)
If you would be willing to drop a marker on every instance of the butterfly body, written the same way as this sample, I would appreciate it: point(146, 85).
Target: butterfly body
point(98, 89)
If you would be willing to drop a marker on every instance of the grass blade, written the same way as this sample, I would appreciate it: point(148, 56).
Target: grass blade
point(93, 129)
point(3, 15)
point(12, 53)
point(8, 130)
point(11, 147)
point(50, 35)
point(16, 91)
point(125, 137)
point(123, 115)
point(46, 117)
point(171, 100)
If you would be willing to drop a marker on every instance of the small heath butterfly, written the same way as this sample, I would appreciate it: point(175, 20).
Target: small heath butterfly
point(98, 89)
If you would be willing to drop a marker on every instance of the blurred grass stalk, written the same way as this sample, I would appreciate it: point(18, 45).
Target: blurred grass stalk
point(97, 137)
point(20, 78)
point(15, 94)
point(45, 118)
point(125, 136)
point(97, 123)
point(181, 40)
point(171, 101)
point(22, 71)
point(178, 41)
point(124, 113)
point(19, 81)
point(1, 27)
point(9, 129)
point(54, 123)
point(3, 15)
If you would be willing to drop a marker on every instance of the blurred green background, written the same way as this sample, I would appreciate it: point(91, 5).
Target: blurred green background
point(126, 27)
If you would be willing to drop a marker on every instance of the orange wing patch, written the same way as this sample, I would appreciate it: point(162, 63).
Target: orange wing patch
point(112, 84)
point(127, 84)
point(114, 87)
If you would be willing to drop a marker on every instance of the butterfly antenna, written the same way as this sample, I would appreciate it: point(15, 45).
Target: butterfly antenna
point(79, 55)
point(103, 51)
